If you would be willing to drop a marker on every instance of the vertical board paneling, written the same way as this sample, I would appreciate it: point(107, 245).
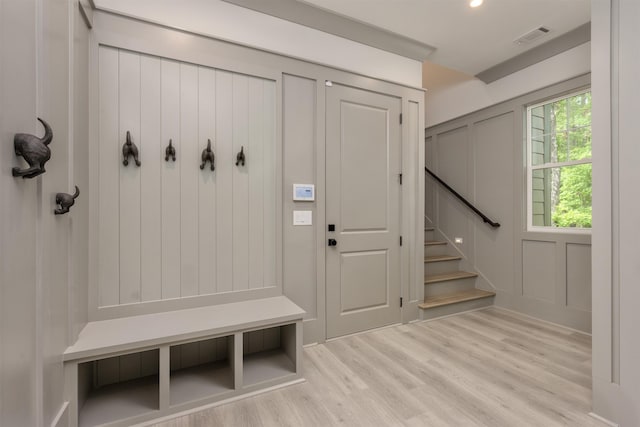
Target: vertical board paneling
point(207, 351)
point(189, 354)
point(149, 363)
point(130, 366)
point(151, 191)
point(175, 356)
point(170, 79)
point(224, 189)
point(168, 229)
point(269, 181)
point(255, 341)
point(129, 94)
point(255, 167)
point(240, 180)
point(222, 347)
point(189, 180)
point(107, 371)
point(108, 202)
point(271, 338)
point(207, 184)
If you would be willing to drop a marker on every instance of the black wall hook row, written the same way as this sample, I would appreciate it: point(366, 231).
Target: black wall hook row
point(240, 157)
point(207, 155)
point(130, 149)
point(65, 201)
point(170, 152)
point(34, 151)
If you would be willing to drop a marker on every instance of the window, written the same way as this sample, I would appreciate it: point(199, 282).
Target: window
point(559, 163)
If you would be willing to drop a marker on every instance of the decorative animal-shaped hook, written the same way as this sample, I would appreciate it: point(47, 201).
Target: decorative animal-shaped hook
point(170, 152)
point(130, 149)
point(207, 155)
point(65, 201)
point(240, 157)
point(34, 151)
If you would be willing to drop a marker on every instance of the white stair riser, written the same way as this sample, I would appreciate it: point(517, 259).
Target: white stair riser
point(442, 288)
point(440, 267)
point(435, 250)
point(446, 310)
point(429, 235)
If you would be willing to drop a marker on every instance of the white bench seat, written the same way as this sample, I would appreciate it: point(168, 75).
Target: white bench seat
point(106, 337)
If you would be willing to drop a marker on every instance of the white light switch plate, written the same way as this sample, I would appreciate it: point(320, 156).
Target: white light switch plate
point(302, 218)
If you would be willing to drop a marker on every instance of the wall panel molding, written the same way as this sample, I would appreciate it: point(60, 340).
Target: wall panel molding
point(481, 155)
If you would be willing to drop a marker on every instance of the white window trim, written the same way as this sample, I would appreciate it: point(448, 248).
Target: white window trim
point(530, 168)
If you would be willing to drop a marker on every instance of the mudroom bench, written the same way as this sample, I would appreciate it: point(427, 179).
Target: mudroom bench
point(130, 370)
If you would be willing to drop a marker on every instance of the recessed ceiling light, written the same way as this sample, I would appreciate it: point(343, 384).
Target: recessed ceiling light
point(475, 3)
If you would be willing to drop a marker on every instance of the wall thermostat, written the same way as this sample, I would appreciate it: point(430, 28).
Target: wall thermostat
point(304, 192)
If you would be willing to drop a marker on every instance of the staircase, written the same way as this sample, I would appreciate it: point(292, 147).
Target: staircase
point(447, 289)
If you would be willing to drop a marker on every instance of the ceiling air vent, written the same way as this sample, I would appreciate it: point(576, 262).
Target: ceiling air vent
point(532, 35)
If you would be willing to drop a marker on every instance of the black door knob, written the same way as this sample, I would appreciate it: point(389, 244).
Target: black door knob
point(333, 242)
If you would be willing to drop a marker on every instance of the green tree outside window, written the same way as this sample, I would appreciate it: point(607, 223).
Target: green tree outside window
point(559, 141)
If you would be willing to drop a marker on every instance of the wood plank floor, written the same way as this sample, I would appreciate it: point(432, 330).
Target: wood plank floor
point(484, 368)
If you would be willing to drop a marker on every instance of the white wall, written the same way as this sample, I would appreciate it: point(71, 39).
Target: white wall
point(233, 23)
point(462, 97)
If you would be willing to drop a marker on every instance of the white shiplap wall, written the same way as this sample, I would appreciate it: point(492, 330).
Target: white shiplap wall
point(170, 230)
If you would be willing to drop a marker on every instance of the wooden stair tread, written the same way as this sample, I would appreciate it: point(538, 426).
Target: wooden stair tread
point(434, 242)
point(436, 278)
point(438, 258)
point(455, 297)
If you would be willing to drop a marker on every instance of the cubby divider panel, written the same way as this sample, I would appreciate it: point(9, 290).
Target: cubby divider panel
point(269, 354)
point(201, 369)
point(118, 388)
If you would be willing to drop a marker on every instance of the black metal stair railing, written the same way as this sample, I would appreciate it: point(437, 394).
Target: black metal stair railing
point(463, 200)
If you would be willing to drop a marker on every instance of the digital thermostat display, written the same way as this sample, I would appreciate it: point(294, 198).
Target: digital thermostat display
point(304, 192)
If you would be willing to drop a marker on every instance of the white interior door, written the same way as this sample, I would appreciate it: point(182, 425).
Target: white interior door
point(363, 206)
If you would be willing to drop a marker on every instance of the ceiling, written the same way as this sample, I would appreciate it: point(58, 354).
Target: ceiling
point(465, 39)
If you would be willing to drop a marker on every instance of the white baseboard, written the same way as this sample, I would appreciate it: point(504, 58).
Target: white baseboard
point(62, 418)
point(604, 420)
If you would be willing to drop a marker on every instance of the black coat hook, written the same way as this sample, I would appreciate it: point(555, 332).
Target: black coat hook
point(170, 152)
point(130, 149)
point(240, 157)
point(35, 151)
point(207, 155)
point(65, 201)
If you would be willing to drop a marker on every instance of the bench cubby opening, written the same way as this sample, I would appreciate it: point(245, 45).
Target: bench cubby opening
point(118, 388)
point(269, 354)
point(201, 369)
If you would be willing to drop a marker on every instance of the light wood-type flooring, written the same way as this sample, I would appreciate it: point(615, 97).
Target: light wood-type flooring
point(484, 368)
